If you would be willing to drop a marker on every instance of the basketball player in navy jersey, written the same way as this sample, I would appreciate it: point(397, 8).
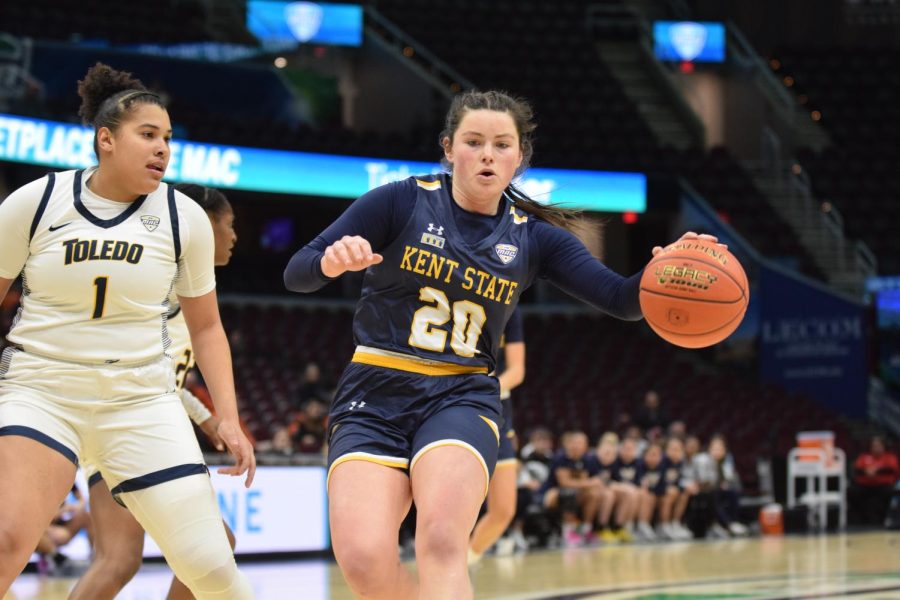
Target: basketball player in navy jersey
point(501, 500)
point(118, 537)
point(678, 492)
point(616, 519)
point(86, 376)
point(416, 415)
point(627, 470)
point(652, 488)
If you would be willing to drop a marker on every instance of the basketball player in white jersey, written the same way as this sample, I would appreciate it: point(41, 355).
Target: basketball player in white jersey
point(118, 537)
point(87, 375)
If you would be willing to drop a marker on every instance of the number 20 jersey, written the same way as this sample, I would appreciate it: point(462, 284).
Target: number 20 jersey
point(437, 297)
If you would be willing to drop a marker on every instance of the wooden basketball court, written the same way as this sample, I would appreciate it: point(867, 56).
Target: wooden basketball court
point(861, 565)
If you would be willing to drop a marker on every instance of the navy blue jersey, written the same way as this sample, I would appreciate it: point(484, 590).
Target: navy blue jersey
point(672, 472)
point(435, 295)
point(652, 478)
point(581, 468)
point(627, 472)
point(451, 279)
point(606, 472)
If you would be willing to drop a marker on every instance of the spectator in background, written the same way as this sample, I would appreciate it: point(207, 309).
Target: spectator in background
point(721, 477)
point(309, 427)
point(652, 486)
point(677, 492)
point(651, 417)
point(281, 443)
point(635, 434)
point(623, 498)
point(539, 449)
point(312, 386)
point(573, 490)
point(678, 429)
point(874, 474)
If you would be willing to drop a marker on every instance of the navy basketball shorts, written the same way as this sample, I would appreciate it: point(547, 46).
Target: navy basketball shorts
point(507, 453)
point(393, 417)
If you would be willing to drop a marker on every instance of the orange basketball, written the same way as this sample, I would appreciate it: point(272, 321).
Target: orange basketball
point(694, 293)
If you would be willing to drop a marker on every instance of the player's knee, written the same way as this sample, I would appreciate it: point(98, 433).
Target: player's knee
point(119, 568)
point(439, 539)
point(224, 583)
point(367, 566)
point(208, 571)
point(13, 550)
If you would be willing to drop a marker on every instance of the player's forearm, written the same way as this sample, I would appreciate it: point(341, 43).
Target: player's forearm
point(194, 408)
point(214, 360)
point(304, 271)
point(511, 378)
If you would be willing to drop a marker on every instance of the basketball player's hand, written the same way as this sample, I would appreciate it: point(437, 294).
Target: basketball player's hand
point(690, 235)
point(241, 448)
point(350, 253)
point(211, 428)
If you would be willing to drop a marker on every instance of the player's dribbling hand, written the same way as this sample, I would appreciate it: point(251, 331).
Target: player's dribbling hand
point(690, 235)
point(241, 448)
point(350, 253)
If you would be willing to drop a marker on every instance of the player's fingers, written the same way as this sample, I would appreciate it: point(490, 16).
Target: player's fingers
point(366, 247)
point(376, 259)
point(336, 251)
point(689, 235)
point(356, 251)
point(251, 470)
point(340, 250)
point(656, 250)
point(708, 237)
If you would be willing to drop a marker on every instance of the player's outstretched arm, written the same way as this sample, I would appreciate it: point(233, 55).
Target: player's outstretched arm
point(210, 344)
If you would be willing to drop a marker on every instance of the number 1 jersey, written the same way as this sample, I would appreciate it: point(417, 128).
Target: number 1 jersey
point(97, 274)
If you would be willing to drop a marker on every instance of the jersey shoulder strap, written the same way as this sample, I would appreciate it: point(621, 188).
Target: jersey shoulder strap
point(173, 216)
point(42, 206)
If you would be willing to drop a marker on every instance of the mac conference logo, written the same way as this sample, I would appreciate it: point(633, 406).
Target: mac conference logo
point(304, 19)
point(688, 39)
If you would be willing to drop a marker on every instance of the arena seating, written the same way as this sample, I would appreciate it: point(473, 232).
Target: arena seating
point(854, 92)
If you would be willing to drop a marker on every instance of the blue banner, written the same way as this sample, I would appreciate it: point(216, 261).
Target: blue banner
point(282, 25)
point(689, 41)
point(813, 341)
point(66, 146)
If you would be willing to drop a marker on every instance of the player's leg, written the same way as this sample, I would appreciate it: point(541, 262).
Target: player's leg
point(179, 591)
point(501, 508)
point(448, 486)
point(646, 508)
point(36, 479)
point(118, 547)
point(39, 449)
point(149, 456)
point(454, 452)
point(366, 504)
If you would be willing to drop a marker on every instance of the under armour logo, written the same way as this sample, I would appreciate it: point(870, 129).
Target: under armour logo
point(435, 230)
point(356, 404)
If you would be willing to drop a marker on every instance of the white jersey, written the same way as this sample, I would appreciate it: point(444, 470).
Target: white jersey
point(97, 274)
point(180, 350)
